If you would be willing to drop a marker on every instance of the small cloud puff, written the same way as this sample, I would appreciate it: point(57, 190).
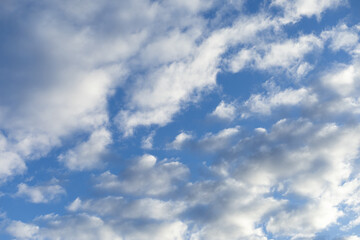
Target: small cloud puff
point(87, 155)
point(225, 111)
point(180, 141)
point(22, 230)
point(144, 176)
point(40, 193)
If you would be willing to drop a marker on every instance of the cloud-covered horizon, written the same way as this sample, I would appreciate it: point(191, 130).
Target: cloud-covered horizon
point(179, 120)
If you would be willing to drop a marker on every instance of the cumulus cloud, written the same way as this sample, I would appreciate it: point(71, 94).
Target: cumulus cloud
point(22, 230)
point(343, 80)
point(296, 9)
point(145, 176)
point(87, 227)
point(342, 37)
point(11, 163)
point(87, 155)
point(287, 55)
point(97, 71)
point(40, 193)
point(173, 85)
point(226, 111)
point(180, 141)
point(276, 98)
point(215, 142)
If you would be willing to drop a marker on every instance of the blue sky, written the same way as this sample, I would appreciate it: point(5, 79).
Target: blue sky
point(179, 120)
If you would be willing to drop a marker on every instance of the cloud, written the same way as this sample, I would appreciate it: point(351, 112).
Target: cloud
point(312, 162)
point(216, 142)
point(287, 55)
point(147, 142)
point(228, 209)
point(293, 178)
point(87, 155)
point(226, 111)
point(40, 193)
point(87, 227)
point(172, 86)
point(352, 237)
point(305, 221)
point(145, 176)
point(22, 230)
point(275, 98)
point(296, 9)
point(342, 37)
point(342, 80)
point(180, 141)
point(119, 207)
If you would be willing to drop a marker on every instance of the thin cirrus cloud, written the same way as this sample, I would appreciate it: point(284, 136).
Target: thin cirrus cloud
point(105, 131)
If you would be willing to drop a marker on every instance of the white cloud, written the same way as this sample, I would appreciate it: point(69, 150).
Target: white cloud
point(343, 79)
point(11, 163)
point(228, 209)
point(145, 208)
point(22, 230)
point(87, 155)
point(225, 111)
point(145, 176)
point(287, 55)
point(171, 86)
point(304, 222)
point(80, 56)
point(275, 98)
point(342, 37)
point(215, 142)
point(147, 142)
point(40, 193)
point(87, 228)
point(180, 141)
point(353, 237)
point(293, 10)
point(76, 63)
point(289, 52)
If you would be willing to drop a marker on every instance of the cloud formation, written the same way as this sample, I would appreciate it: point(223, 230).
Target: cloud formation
point(117, 100)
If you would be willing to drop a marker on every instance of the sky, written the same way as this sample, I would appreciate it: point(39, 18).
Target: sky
point(179, 119)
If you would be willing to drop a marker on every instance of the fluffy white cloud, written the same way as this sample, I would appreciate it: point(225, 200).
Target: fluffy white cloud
point(11, 163)
point(275, 98)
point(171, 86)
point(87, 228)
point(22, 230)
point(145, 176)
point(342, 37)
point(225, 111)
point(77, 62)
point(294, 180)
point(353, 237)
point(293, 10)
point(180, 141)
point(87, 155)
point(305, 221)
point(343, 79)
point(215, 142)
point(40, 193)
point(287, 55)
